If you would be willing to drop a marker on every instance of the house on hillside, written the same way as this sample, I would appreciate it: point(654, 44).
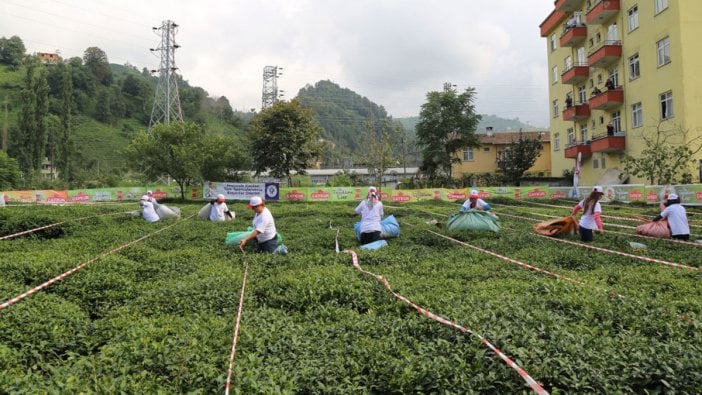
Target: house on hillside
point(484, 159)
point(48, 58)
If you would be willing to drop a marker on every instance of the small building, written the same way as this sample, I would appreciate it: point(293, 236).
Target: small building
point(49, 58)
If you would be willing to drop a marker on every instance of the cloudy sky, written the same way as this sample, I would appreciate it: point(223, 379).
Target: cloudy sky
point(391, 51)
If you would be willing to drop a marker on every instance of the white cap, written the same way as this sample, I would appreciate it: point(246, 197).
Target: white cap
point(255, 201)
point(597, 188)
point(372, 189)
point(672, 196)
point(220, 196)
point(144, 197)
point(149, 193)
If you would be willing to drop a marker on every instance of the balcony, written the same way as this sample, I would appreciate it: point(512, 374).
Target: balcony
point(573, 36)
point(615, 142)
point(602, 11)
point(577, 112)
point(573, 149)
point(607, 100)
point(609, 52)
point(551, 22)
point(575, 74)
point(569, 5)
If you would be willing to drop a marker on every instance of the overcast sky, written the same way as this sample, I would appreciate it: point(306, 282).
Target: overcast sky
point(391, 51)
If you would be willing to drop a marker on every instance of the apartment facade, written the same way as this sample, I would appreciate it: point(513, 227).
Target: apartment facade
point(620, 70)
point(484, 159)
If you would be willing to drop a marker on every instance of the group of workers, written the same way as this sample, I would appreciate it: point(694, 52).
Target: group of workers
point(371, 212)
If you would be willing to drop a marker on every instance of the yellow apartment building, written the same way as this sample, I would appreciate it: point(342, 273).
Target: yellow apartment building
point(619, 69)
point(484, 159)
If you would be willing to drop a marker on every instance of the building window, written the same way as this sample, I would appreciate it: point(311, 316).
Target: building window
point(602, 160)
point(582, 94)
point(666, 105)
point(617, 121)
point(553, 42)
point(663, 48)
point(554, 74)
point(598, 38)
point(661, 5)
point(556, 141)
point(571, 136)
point(595, 164)
point(567, 63)
point(555, 109)
point(583, 132)
point(468, 155)
point(614, 77)
point(633, 17)
point(636, 115)
point(486, 149)
point(634, 67)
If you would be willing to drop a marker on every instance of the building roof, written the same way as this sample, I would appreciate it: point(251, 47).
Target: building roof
point(509, 137)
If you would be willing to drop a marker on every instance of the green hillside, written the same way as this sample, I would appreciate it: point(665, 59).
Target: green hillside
point(498, 124)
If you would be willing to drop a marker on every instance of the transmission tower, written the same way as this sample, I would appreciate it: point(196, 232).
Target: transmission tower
point(166, 100)
point(271, 94)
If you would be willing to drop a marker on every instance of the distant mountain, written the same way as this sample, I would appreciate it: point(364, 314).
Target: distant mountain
point(499, 125)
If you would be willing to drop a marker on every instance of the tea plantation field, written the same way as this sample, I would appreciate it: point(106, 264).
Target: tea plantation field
point(158, 315)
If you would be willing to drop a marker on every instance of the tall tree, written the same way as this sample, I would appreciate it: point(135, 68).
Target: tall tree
point(666, 157)
point(447, 124)
point(285, 138)
point(519, 156)
point(27, 121)
point(41, 89)
point(378, 147)
point(64, 153)
point(95, 59)
point(11, 51)
point(10, 173)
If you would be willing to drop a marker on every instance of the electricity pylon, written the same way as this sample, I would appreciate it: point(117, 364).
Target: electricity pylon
point(166, 106)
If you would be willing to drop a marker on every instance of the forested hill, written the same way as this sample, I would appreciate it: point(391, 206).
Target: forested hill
point(342, 113)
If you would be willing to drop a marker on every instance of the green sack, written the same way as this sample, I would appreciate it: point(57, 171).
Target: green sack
point(233, 238)
point(473, 220)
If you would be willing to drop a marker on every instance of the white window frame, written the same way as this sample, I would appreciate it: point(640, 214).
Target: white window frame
point(554, 75)
point(634, 67)
point(468, 155)
point(571, 136)
point(556, 113)
point(636, 115)
point(663, 51)
point(556, 141)
point(666, 105)
point(633, 18)
point(553, 42)
point(582, 94)
point(660, 6)
point(617, 121)
point(583, 132)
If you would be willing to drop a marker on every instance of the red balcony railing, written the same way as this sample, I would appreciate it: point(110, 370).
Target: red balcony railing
point(575, 74)
point(569, 5)
point(551, 22)
point(608, 99)
point(614, 142)
point(577, 112)
point(607, 53)
point(601, 11)
point(572, 150)
point(573, 36)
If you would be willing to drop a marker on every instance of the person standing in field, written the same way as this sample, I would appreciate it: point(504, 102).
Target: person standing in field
point(147, 209)
point(263, 227)
point(677, 217)
point(590, 220)
point(474, 203)
point(371, 212)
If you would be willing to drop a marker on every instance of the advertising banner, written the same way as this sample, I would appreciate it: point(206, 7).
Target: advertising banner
point(241, 191)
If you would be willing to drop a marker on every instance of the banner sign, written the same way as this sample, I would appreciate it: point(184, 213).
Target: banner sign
point(241, 191)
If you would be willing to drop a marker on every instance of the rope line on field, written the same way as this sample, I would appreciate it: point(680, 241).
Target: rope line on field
point(56, 224)
point(536, 387)
point(82, 265)
point(238, 321)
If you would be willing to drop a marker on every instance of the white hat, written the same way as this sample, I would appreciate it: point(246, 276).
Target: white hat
point(144, 197)
point(372, 189)
point(220, 197)
point(672, 196)
point(255, 201)
point(597, 188)
point(473, 193)
point(149, 193)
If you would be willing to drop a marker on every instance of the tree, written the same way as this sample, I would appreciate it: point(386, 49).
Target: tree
point(378, 148)
point(10, 173)
point(183, 152)
point(519, 157)
point(64, 146)
point(447, 124)
point(667, 155)
point(95, 60)
point(284, 138)
point(27, 121)
point(41, 90)
point(11, 51)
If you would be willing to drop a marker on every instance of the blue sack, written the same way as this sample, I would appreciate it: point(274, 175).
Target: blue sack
point(389, 227)
point(374, 245)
